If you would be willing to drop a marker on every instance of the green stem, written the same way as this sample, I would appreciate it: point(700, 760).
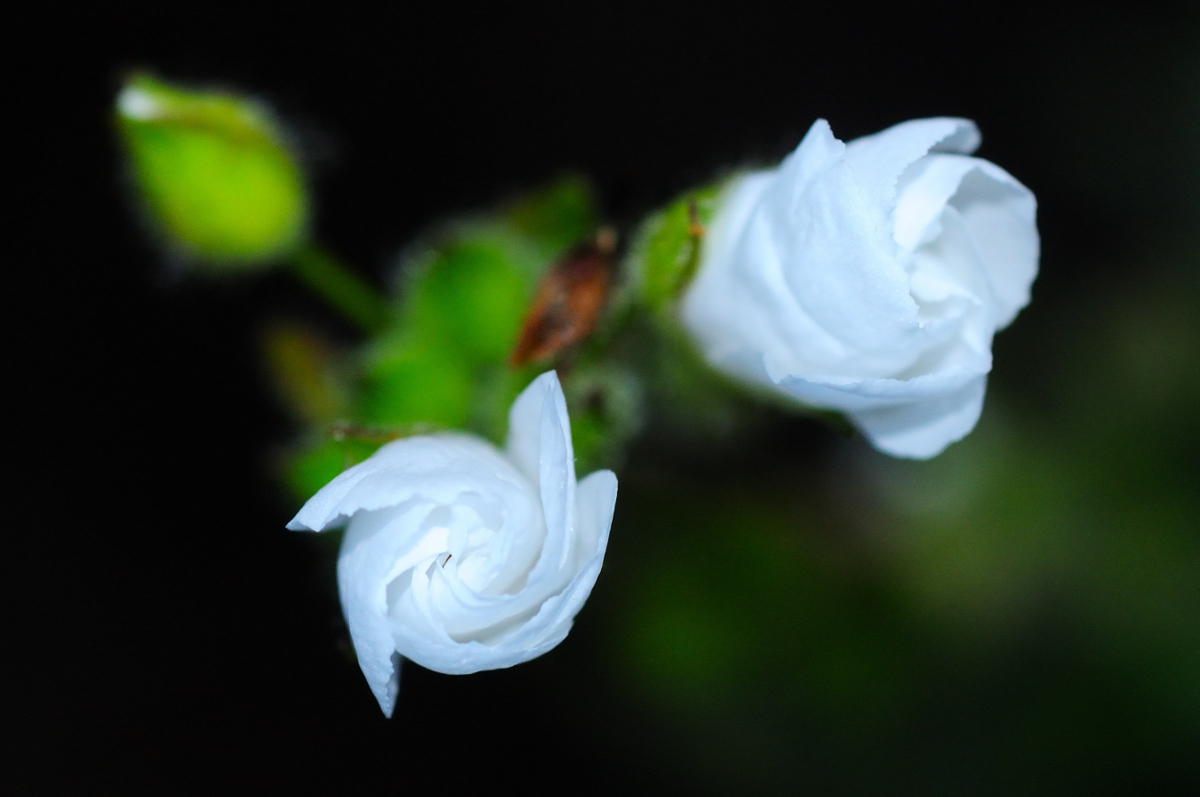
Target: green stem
point(354, 298)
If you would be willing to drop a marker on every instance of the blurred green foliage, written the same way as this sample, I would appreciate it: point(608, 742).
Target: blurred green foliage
point(441, 360)
point(214, 173)
point(781, 607)
point(307, 372)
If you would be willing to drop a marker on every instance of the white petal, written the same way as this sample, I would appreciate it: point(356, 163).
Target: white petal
point(539, 442)
point(432, 466)
point(367, 555)
point(839, 273)
point(879, 160)
point(833, 293)
point(1001, 215)
point(383, 497)
point(807, 274)
point(907, 418)
point(860, 395)
point(595, 500)
point(556, 477)
point(549, 618)
point(525, 424)
point(924, 191)
point(553, 619)
point(922, 430)
point(915, 417)
point(817, 151)
point(714, 305)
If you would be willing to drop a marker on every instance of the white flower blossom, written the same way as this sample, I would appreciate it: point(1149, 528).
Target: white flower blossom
point(462, 557)
point(869, 278)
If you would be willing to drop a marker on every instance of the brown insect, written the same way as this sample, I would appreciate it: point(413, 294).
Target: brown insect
point(568, 301)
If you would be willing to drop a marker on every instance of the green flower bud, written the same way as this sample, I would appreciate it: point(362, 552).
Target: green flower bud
point(214, 172)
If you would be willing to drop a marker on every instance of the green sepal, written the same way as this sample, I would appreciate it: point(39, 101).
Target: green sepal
point(667, 248)
point(214, 173)
point(415, 380)
point(472, 292)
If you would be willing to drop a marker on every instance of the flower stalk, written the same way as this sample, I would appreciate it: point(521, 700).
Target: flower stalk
point(341, 288)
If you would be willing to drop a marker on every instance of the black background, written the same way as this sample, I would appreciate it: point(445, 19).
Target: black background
point(168, 634)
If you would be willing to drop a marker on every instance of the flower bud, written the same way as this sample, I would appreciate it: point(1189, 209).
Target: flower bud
point(460, 556)
point(868, 278)
point(213, 172)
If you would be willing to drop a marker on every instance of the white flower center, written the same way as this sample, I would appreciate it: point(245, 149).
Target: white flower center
point(467, 557)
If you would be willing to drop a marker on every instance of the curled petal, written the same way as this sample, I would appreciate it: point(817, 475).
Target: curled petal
point(462, 557)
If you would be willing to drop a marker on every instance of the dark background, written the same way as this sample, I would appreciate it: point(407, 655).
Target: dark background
point(169, 635)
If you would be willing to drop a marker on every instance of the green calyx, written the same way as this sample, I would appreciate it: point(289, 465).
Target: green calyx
point(214, 172)
point(667, 250)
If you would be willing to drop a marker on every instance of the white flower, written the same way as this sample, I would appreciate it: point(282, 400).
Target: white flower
point(461, 557)
point(869, 278)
